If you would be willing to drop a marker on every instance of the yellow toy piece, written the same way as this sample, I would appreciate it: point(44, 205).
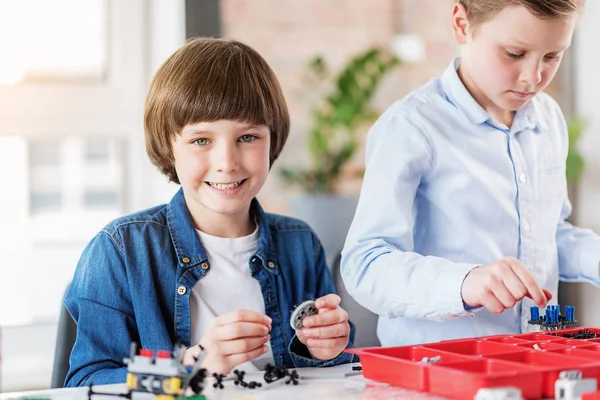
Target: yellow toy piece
point(172, 386)
point(132, 381)
point(164, 397)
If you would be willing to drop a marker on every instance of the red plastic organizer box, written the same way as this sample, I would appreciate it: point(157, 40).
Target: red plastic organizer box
point(529, 361)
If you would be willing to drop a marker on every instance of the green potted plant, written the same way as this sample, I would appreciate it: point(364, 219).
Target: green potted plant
point(575, 162)
point(337, 120)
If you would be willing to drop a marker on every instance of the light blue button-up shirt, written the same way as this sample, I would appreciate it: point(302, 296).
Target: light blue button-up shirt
point(447, 189)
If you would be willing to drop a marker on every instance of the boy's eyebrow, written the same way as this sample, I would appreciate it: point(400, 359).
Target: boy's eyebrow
point(193, 130)
point(254, 126)
point(189, 131)
point(562, 47)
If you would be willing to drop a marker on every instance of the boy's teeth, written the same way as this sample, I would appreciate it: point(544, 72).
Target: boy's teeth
point(225, 186)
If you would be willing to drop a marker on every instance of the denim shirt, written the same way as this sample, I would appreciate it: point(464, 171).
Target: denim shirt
point(134, 279)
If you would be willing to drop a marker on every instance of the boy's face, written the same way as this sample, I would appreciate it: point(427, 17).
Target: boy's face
point(221, 166)
point(511, 57)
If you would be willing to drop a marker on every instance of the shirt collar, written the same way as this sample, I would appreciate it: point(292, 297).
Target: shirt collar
point(188, 247)
point(528, 117)
point(457, 94)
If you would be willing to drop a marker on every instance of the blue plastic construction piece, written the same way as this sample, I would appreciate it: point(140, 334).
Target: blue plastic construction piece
point(553, 320)
point(534, 312)
point(570, 313)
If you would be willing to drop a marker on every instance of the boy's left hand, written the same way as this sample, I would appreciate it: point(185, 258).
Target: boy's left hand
point(327, 333)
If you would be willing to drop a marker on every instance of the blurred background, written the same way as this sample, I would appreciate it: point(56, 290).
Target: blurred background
point(73, 78)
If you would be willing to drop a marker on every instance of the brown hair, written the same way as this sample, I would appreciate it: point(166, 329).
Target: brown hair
point(208, 80)
point(479, 11)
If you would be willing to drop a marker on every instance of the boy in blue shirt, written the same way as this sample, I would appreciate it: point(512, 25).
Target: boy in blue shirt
point(210, 269)
point(464, 200)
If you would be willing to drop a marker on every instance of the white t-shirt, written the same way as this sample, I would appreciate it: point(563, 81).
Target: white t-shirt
point(228, 286)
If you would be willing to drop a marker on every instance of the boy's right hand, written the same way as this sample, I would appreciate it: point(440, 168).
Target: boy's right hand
point(233, 339)
point(500, 285)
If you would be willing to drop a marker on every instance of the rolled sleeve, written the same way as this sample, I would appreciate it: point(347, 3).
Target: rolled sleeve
point(301, 357)
point(578, 251)
point(448, 289)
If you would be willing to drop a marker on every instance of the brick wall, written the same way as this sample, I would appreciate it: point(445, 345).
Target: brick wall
point(290, 32)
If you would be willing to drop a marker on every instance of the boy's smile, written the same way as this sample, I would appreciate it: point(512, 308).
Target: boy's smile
point(509, 58)
point(222, 165)
point(226, 188)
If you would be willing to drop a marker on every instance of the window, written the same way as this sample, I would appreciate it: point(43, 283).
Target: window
point(75, 186)
point(73, 78)
point(94, 199)
point(97, 149)
point(34, 46)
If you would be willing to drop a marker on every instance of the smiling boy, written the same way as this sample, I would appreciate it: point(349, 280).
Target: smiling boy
point(210, 269)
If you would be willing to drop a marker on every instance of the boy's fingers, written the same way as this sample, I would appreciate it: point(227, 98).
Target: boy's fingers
point(326, 318)
point(239, 330)
point(331, 300)
point(326, 344)
point(504, 296)
point(326, 332)
point(547, 293)
point(241, 346)
point(514, 285)
point(240, 358)
point(243, 316)
point(530, 283)
point(490, 302)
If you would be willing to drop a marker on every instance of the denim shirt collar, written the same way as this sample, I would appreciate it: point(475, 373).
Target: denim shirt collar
point(528, 117)
point(188, 246)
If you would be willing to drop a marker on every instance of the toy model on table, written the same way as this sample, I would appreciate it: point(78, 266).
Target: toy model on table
point(164, 377)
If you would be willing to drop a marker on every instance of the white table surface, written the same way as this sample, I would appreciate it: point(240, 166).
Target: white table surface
point(315, 383)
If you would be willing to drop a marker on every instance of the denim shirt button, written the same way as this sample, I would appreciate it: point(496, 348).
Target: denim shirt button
point(271, 264)
point(205, 266)
point(181, 290)
point(185, 260)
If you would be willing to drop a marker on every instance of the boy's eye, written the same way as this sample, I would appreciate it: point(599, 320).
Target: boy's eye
point(201, 142)
point(248, 138)
point(513, 55)
point(550, 57)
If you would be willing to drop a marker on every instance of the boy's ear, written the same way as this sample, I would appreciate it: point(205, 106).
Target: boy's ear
point(460, 23)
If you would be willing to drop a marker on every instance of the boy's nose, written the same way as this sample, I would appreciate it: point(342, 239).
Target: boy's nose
point(532, 74)
point(226, 160)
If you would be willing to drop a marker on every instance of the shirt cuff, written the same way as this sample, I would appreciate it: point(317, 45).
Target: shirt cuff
point(301, 356)
point(471, 309)
point(448, 288)
point(589, 259)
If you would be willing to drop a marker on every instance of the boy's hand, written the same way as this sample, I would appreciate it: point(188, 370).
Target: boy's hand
point(327, 333)
point(500, 285)
point(231, 340)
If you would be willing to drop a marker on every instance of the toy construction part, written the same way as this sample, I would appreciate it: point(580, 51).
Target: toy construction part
point(274, 373)
point(304, 310)
point(553, 320)
point(239, 380)
point(431, 360)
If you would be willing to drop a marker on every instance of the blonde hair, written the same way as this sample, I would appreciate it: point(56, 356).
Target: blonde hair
point(208, 80)
point(479, 11)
